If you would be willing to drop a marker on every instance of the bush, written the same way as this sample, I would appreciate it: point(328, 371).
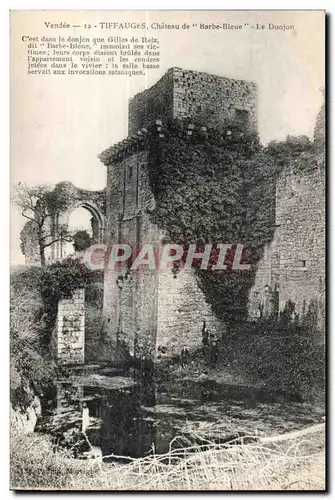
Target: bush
point(58, 281)
point(280, 359)
point(31, 367)
point(293, 365)
point(82, 240)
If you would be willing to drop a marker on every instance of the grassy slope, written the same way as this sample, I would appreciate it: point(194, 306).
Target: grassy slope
point(289, 464)
point(31, 366)
point(285, 363)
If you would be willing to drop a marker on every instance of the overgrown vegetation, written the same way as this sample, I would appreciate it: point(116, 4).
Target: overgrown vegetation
point(218, 186)
point(39, 204)
point(81, 240)
point(35, 293)
point(57, 281)
point(279, 359)
point(283, 153)
point(283, 357)
point(31, 365)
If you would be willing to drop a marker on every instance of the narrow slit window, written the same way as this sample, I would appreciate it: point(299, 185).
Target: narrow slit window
point(138, 173)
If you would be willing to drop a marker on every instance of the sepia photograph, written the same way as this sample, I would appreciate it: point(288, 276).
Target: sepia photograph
point(168, 250)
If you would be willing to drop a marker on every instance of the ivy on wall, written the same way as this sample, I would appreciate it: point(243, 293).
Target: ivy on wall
point(57, 281)
point(218, 186)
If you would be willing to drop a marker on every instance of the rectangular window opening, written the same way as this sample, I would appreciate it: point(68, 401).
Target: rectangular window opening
point(242, 117)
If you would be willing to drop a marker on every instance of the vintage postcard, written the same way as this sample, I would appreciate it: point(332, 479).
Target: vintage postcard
point(168, 295)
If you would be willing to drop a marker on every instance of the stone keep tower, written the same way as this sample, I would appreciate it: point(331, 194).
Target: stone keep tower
point(211, 99)
point(146, 309)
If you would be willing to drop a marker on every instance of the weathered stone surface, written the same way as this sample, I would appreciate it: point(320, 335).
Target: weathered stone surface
point(70, 327)
point(147, 309)
point(93, 201)
point(182, 309)
point(192, 94)
point(293, 265)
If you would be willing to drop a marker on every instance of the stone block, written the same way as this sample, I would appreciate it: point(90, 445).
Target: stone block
point(70, 328)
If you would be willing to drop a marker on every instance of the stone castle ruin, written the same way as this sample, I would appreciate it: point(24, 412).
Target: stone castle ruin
point(147, 310)
point(152, 309)
point(294, 263)
point(210, 99)
point(93, 201)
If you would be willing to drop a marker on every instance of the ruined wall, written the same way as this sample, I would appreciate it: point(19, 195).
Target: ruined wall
point(266, 284)
point(300, 217)
point(181, 311)
point(151, 104)
point(73, 197)
point(293, 265)
point(180, 93)
point(70, 327)
point(129, 296)
point(146, 308)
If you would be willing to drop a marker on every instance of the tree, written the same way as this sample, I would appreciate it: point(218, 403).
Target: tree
point(81, 241)
point(39, 204)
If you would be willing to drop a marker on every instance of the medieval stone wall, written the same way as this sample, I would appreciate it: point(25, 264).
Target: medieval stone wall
point(157, 309)
point(263, 294)
point(70, 328)
point(181, 311)
point(144, 308)
point(93, 201)
point(151, 104)
point(211, 99)
point(300, 217)
point(293, 265)
point(129, 305)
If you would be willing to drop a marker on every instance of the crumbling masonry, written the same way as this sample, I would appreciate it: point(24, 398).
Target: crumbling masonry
point(293, 264)
point(70, 329)
point(147, 309)
point(92, 201)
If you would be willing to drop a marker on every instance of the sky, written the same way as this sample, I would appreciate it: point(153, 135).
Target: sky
point(59, 124)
